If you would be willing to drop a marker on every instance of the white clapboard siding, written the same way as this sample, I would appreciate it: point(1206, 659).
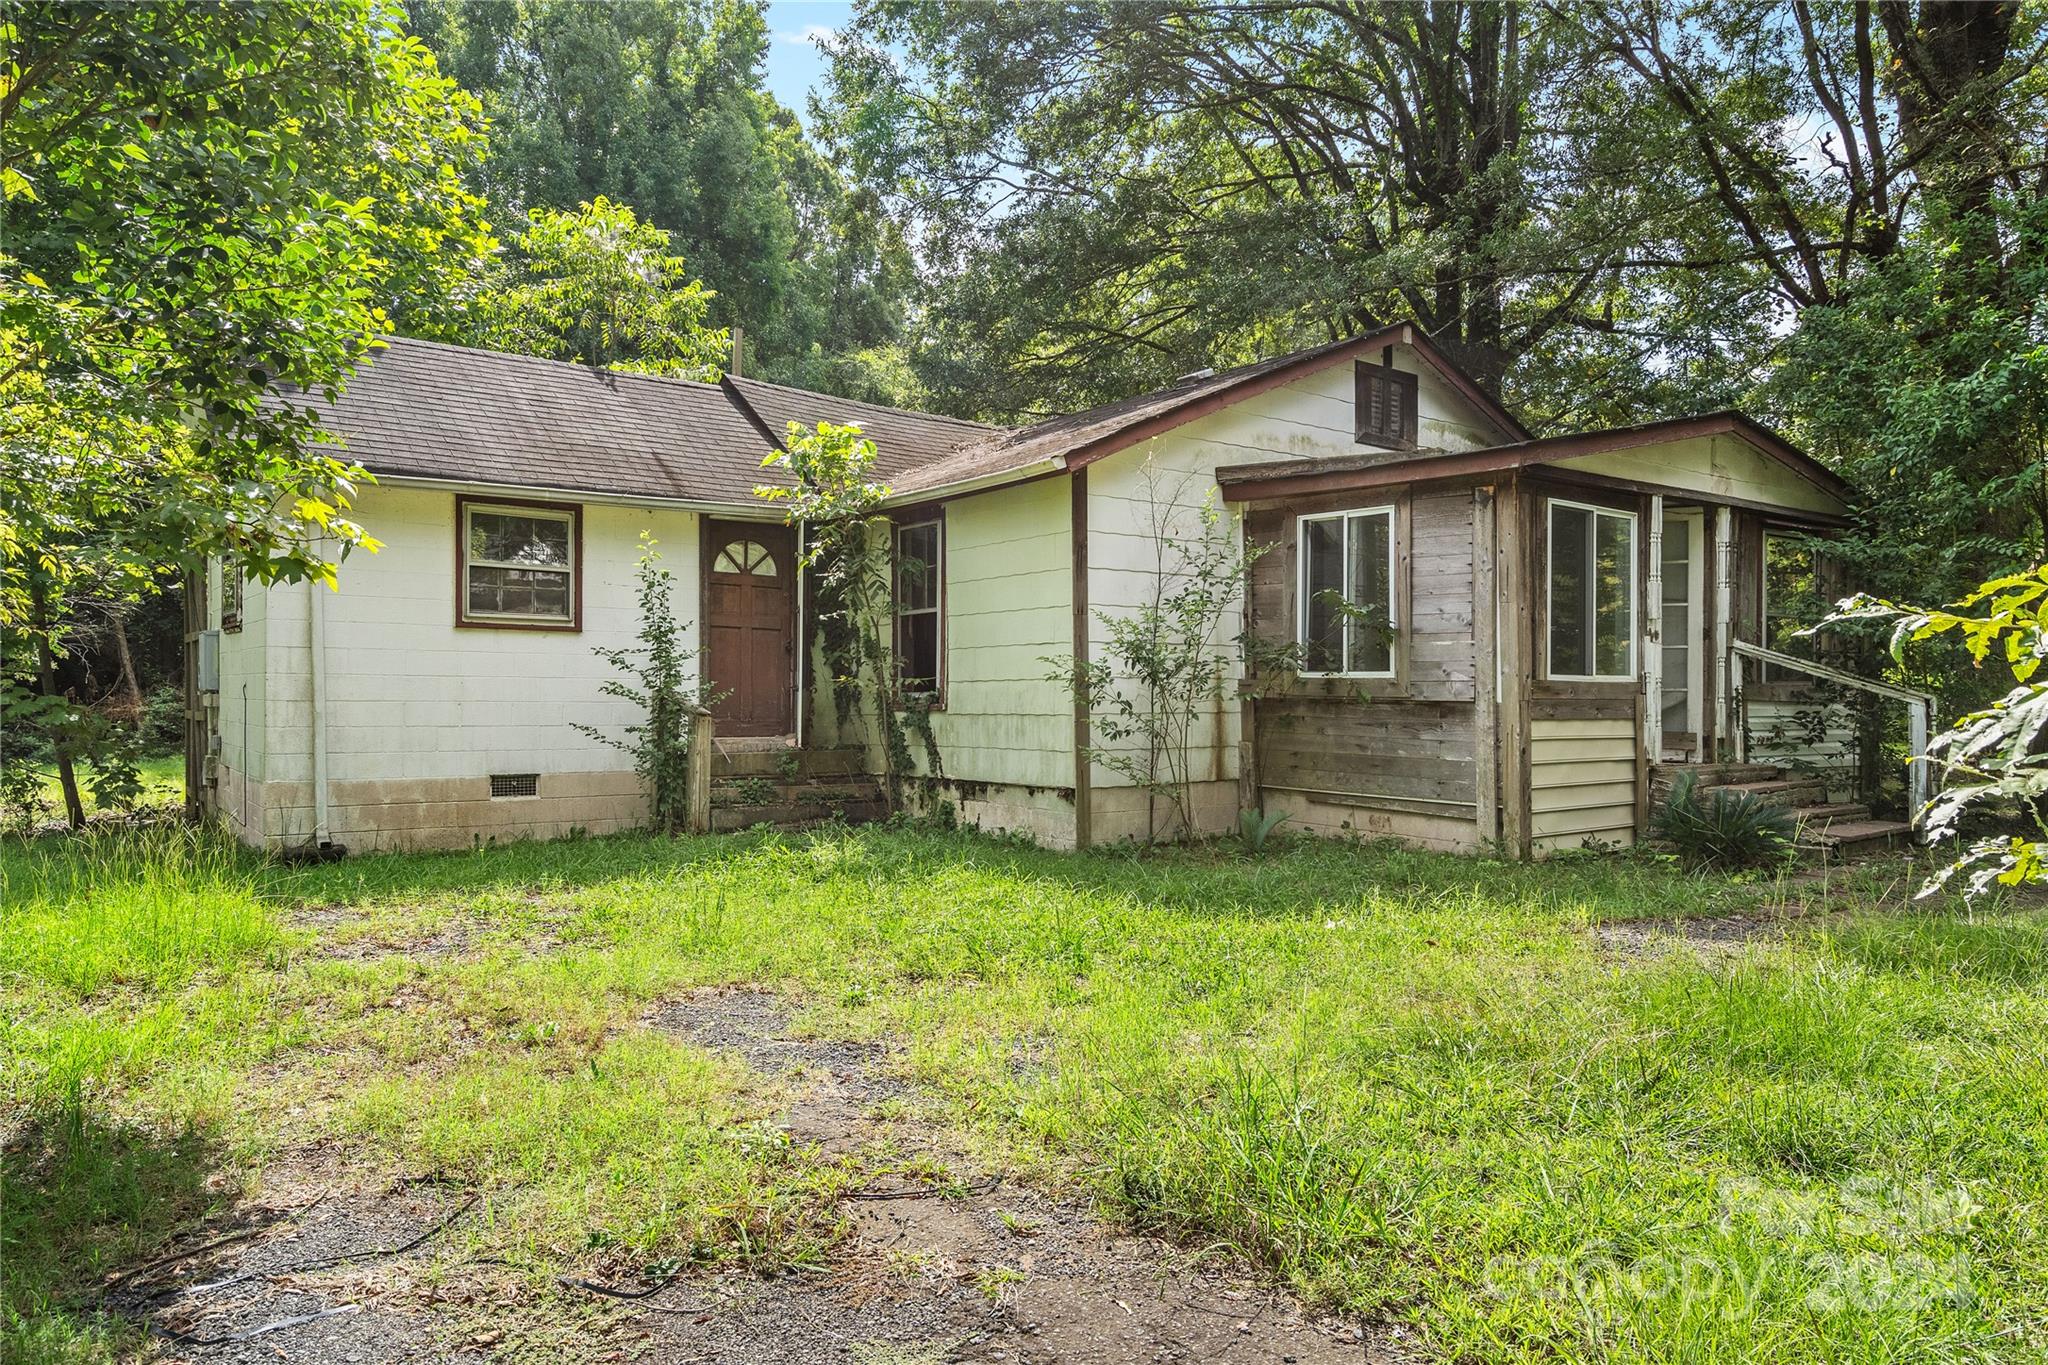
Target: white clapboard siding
point(1582, 782)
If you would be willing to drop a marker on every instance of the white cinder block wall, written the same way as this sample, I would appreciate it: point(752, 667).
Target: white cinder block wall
point(419, 713)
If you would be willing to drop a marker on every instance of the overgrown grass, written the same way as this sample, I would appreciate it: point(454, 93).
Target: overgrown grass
point(1414, 1085)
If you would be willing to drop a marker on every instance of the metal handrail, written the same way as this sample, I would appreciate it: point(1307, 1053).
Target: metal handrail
point(1919, 708)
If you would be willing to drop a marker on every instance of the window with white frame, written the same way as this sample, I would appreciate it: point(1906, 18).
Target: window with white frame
point(518, 565)
point(920, 547)
point(1345, 625)
point(1592, 593)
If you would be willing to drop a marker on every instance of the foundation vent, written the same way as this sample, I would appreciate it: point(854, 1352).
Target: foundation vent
point(515, 784)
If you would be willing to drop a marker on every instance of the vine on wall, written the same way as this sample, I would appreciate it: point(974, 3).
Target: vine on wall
point(847, 548)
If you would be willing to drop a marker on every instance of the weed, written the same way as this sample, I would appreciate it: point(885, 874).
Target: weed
point(1255, 827)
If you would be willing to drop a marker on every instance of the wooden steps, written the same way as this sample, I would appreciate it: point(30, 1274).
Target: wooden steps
point(1827, 829)
point(791, 788)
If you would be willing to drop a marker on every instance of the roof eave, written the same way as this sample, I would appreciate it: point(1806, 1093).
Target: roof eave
point(1254, 482)
point(978, 483)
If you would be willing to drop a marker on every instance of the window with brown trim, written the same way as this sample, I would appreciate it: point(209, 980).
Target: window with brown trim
point(518, 564)
point(1385, 402)
point(920, 602)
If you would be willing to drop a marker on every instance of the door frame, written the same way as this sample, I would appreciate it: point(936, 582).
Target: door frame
point(1698, 646)
point(781, 541)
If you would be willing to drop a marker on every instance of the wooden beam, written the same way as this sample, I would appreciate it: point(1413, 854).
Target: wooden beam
point(1653, 635)
point(1517, 588)
point(1485, 667)
point(697, 787)
point(1727, 721)
point(1084, 799)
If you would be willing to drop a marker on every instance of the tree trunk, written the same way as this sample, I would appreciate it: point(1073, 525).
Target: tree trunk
point(127, 661)
point(46, 677)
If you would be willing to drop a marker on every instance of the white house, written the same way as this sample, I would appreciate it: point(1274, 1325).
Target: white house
point(1522, 691)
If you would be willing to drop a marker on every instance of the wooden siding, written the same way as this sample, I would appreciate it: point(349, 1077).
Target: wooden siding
point(1398, 754)
point(1804, 736)
point(1583, 779)
point(1718, 468)
point(1397, 757)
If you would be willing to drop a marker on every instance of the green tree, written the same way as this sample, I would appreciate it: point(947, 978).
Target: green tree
point(847, 549)
point(600, 287)
point(1991, 804)
point(660, 105)
point(211, 210)
point(654, 681)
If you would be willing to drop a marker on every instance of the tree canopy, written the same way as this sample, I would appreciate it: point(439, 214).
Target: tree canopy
point(659, 105)
point(600, 287)
point(1829, 215)
point(208, 209)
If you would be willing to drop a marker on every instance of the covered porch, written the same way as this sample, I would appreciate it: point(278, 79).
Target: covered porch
point(1635, 598)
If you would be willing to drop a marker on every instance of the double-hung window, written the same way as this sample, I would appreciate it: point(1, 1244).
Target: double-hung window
point(1345, 624)
point(920, 645)
point(519, 565)
point(1592, 602)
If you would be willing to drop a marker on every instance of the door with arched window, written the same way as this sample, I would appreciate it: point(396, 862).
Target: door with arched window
point(750, 626)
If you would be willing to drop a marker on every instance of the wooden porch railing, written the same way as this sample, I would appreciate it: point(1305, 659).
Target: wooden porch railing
point(1919, 709)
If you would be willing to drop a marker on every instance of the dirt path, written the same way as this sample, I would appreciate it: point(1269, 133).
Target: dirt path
point(966, 1267)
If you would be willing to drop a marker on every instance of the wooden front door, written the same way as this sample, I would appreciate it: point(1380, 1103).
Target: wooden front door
point(750, 626)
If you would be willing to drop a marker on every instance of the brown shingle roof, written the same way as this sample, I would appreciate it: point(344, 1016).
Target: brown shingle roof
point(903, 440)
point(424, 409)
point(428, 410)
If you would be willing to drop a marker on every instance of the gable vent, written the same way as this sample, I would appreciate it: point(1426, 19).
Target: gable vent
point(515, 784)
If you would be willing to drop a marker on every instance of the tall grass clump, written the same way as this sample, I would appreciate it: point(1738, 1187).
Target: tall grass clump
point(149, 908)
point(1723, 828)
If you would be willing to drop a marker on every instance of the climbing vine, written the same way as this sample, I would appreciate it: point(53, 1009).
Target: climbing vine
point(846, 548)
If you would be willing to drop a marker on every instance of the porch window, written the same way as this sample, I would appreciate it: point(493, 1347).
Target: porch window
point(920, 547)
point(519, 565)
point(1592, 593)
point(1346, 619)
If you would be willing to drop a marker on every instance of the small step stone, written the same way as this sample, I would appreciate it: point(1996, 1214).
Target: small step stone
point(1858, 836)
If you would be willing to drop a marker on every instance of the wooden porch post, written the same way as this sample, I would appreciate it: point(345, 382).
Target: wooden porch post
point(1517, 663)
point(697, 794)
point(1486, 615)
point(1653, 636)
point(1726, 670)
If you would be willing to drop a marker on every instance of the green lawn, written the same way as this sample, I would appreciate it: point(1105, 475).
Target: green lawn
point(1422, 1087)
point(163, 783)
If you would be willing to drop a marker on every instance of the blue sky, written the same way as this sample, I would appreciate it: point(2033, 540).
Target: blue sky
point(795, 65)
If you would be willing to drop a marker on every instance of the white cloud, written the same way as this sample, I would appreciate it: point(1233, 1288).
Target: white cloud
point(809, 36)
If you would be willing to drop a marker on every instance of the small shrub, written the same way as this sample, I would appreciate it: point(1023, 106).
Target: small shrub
point(1256, 827)
point(1723, 828)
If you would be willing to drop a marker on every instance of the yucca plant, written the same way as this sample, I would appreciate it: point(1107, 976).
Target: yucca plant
point(1723, 828)
point(1255, 827)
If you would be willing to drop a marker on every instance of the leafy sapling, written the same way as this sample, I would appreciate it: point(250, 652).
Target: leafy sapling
point(657, 678)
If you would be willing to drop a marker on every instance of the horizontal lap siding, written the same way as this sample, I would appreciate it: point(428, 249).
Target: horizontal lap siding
point(1166, 481)
point(1582, 781)
point(1009, 607)
point(1786, 733)
point(1399, 751)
